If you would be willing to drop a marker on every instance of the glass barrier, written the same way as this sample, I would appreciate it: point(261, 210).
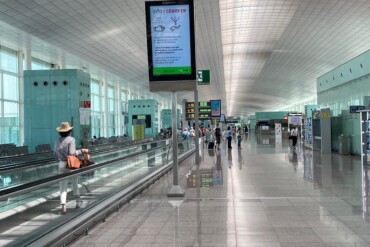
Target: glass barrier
point(36, 210)
point(14, 177)
point(13, 160)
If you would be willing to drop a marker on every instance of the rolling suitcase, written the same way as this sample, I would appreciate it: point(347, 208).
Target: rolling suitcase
point(211, 145)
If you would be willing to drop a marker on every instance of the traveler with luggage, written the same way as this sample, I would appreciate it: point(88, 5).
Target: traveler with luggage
point(66, 145)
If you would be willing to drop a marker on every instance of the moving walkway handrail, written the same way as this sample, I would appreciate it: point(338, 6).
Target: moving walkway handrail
point(7, 157)
point(30, 186)
point(63, 234)
point(52, 160)
point(117, 144)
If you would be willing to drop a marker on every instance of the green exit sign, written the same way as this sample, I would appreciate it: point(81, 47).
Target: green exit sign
point(203, 77)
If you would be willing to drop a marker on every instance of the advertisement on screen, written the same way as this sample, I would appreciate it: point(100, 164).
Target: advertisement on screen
point(215, 108)
point(170, 40)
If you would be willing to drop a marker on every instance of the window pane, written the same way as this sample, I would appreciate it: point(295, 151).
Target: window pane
point(124, 107)
point(110, 92)
point(11, 87)
point(9, 60)
point(95, 87)
point(111, 106)
point(10, 114)
point(11, 135)
point(95, 103)
point(111, 120)
point(38, 64)
point(111, 132)
point(95, 124)
point(10, 123)
point(123, 96)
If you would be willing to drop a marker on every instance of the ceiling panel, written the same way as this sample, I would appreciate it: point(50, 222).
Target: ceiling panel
point(263, 54)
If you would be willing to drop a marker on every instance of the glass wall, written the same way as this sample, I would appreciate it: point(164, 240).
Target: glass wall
point(341, 97)
point(38, 64)
point(124, 116)
point(9, 96)
point(111, 112)
point(96, 109)
point(109, 102)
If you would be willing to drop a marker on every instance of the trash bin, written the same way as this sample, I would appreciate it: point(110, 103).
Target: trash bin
point(343, 145)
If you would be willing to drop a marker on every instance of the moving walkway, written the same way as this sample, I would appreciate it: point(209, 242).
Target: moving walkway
point(30, 210)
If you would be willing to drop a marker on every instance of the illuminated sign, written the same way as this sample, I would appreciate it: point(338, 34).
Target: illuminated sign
point(204, 110)
point(215, 108)
point(170, 41)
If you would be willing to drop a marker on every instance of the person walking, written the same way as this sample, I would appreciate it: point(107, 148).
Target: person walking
point(294, 136)
point(239, 137)
point(66, 145)
point(218, 136)
point(229, 136)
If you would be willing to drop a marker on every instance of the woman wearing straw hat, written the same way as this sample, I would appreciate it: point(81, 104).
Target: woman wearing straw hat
point(64, 146)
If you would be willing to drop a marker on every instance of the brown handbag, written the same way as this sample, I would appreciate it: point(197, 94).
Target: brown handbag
point(73, 162)
point(86, 160)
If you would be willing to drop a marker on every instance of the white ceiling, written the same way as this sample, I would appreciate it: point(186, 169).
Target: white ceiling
point(263, 54)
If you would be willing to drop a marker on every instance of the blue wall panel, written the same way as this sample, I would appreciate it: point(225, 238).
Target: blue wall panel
point(56, 98)
point(166, 117)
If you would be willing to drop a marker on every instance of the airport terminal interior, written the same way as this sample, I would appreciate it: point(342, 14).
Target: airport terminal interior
point(198, 123)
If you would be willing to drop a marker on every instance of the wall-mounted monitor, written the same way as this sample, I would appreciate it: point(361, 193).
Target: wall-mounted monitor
point(147, 119)
point(215, 108)
point(171, 45)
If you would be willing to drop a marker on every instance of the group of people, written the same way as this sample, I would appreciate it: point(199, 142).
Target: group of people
point(232, 133)
point(165, 133)
point(216, 135)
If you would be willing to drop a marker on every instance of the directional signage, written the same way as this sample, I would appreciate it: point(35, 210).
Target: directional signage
point(203, 77)
point(204, 110)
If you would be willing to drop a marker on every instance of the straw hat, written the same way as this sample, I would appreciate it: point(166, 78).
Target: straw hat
point(64, 127)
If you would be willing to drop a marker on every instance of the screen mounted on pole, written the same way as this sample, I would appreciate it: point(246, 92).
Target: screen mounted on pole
point(170, 41)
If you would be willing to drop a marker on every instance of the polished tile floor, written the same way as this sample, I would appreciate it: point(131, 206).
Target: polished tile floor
point(261, 195)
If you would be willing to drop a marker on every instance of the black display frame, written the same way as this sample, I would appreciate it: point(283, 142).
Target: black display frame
point(356, 108)
point(171, 82)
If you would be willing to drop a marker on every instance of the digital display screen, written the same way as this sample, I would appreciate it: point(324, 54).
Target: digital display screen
point(215, 108)
point(170, 40)
point(295, 119)
point(222, 118)
point(204, 110)
point(355, 108)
